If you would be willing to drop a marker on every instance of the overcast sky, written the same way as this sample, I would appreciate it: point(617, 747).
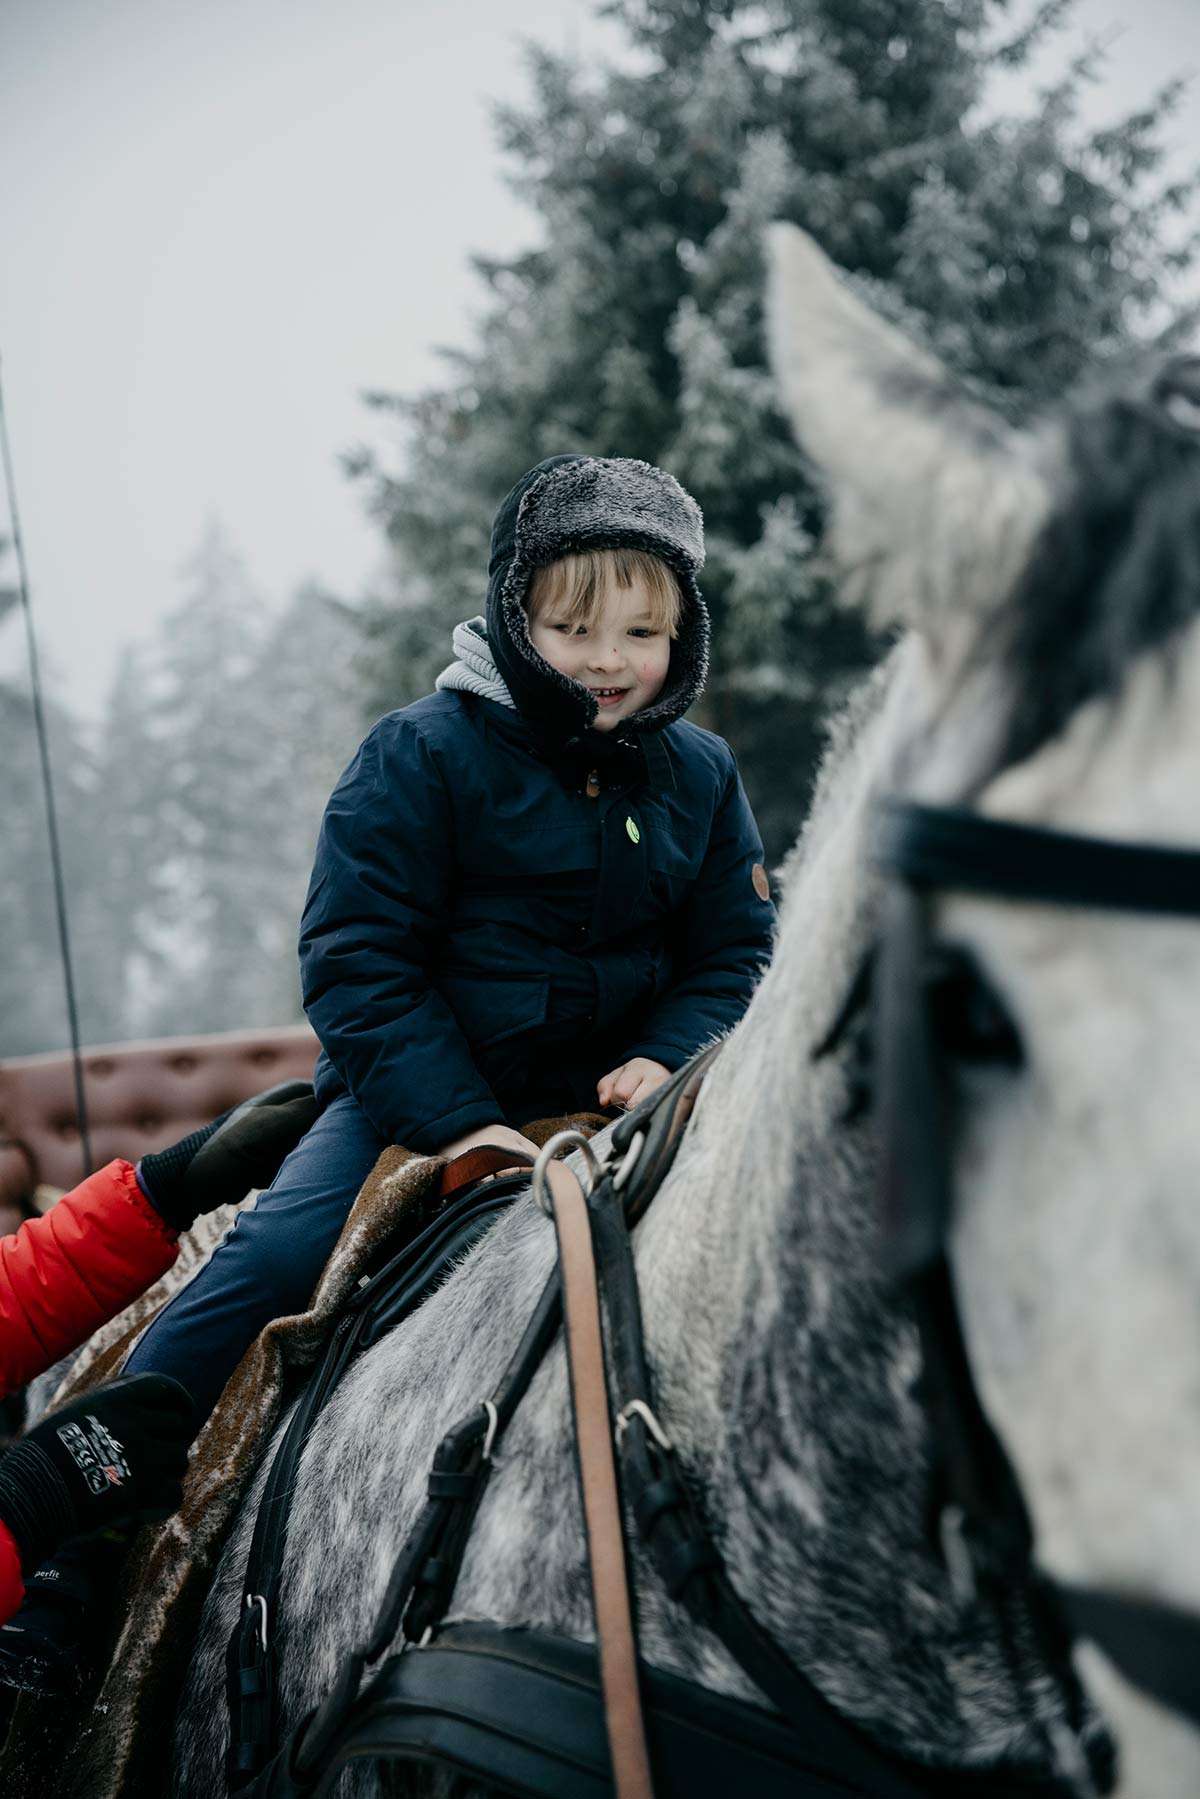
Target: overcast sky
point(222, 220)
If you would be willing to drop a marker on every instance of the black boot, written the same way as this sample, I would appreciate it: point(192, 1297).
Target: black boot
point(225, 1160)
point(48, 1644)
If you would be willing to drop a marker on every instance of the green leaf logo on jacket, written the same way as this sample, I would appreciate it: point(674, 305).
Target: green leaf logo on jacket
point(632, 832)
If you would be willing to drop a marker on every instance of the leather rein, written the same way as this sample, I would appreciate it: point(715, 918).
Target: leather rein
point(984, 1526)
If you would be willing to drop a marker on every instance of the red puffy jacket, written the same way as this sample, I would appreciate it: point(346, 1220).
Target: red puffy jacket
point(61, 1278)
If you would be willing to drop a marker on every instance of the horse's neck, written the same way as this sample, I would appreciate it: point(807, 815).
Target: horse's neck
point(784, 1372)
point(724, 1230)
point(756, 1256)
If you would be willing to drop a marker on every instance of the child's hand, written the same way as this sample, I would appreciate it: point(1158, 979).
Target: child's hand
point(502, 1135)
point(631, 1083)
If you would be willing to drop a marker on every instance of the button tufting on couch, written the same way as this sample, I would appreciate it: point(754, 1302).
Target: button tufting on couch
point(140, 1097)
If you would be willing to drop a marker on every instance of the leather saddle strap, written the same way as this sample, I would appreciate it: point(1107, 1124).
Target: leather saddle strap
point(599, 1490)
point(660, 1120)
point(476, 1164)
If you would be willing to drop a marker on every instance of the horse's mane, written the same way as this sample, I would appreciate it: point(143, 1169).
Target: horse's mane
point(1114, 572)
point(834, 791)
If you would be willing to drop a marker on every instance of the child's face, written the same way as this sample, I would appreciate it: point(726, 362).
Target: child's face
point(617, 655)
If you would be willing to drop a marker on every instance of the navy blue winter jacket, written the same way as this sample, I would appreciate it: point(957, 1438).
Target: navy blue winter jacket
point(482, 941)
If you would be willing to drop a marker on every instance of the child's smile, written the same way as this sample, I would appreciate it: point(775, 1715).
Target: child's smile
point(617, 654)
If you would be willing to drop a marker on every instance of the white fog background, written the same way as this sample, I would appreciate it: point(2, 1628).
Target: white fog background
point(222, 220)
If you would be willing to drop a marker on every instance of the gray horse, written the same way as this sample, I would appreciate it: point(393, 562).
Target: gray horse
point(786, 1373)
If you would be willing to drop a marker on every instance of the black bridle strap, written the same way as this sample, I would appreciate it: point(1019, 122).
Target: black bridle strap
point(659, 1493)
point(412, 1604)
point(392, 1291)
point(660, 1122)
point(914, 1177)
point(946, 846)
point(926, 848)
point(978, 1519)
point(1155, 1646)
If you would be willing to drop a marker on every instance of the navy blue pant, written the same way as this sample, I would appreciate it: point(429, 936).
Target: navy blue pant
point(269, 1264)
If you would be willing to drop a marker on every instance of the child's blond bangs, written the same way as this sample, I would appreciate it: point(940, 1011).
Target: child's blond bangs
point(573, 586)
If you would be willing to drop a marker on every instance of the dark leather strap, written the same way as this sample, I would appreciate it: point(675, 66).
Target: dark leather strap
point(598, 1488)
point(914, 1175)
point(947, 846)
point(394, 1291)
point(479, 1164)
point(684, 1553)
point(660, 1121)
point(519, 1711)
point(1156, 1646)
point(412, 1605)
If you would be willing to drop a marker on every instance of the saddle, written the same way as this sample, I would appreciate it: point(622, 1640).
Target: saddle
point(121, 1725)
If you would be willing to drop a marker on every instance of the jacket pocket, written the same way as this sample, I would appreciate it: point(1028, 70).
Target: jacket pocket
point(675, 863)
point(489, 1009)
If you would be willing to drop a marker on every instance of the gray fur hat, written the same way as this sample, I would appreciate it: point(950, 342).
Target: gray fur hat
point(572, 503)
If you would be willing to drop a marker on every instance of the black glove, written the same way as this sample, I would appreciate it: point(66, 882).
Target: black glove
point(238, 1151)
point(114, 1456)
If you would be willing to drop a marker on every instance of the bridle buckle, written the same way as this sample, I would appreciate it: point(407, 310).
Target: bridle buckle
point(257, 1599)
point(956, 1554)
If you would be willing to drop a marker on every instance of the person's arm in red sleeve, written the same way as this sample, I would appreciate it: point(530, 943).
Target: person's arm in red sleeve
point(64, 1275)
point(12, 1585)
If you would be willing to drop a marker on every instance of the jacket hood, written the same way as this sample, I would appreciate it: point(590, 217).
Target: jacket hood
point(571, 503)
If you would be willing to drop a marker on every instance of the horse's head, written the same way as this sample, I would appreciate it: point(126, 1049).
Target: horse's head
point(1051, 578)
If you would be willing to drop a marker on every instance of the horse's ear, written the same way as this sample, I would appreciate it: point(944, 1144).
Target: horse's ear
point(935, 499)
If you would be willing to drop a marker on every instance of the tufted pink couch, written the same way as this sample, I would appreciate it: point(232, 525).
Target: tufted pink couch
point(140, 1097)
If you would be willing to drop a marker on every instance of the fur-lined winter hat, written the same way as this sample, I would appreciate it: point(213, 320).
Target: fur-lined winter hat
point(572, 503)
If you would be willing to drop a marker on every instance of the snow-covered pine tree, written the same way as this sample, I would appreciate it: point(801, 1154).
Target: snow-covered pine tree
point(308, 685)
point(33, 1012)
point(33, 1008)
point(1022, 249)
point(220, 743)
point(118, 887)
point(212, 842)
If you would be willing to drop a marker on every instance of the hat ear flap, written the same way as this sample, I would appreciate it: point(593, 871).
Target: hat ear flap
point(934, 498)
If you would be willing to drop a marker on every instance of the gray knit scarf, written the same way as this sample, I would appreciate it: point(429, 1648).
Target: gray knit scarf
point(474, 671)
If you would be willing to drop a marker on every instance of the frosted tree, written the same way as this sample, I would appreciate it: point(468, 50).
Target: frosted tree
point(308, 683)
point(119, 860)
point(33, 1009)
point(1023, 250)
point(212, 842)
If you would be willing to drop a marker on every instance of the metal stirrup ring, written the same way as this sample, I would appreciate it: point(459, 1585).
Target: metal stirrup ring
point(253, 1599)
point(629, 1162)
point(637, 1408)
point(549, 1152)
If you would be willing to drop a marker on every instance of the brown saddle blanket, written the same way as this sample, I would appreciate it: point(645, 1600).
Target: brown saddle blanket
point(114, 1741)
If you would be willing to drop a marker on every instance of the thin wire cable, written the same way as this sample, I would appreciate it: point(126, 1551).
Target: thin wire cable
point(39, 723)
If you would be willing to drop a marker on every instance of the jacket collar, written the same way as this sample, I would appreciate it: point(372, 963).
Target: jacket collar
point(637, 759)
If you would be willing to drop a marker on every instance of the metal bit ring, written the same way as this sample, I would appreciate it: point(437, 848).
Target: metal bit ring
point(550, 1151)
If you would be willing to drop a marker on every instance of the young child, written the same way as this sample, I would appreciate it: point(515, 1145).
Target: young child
point(535, 891)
